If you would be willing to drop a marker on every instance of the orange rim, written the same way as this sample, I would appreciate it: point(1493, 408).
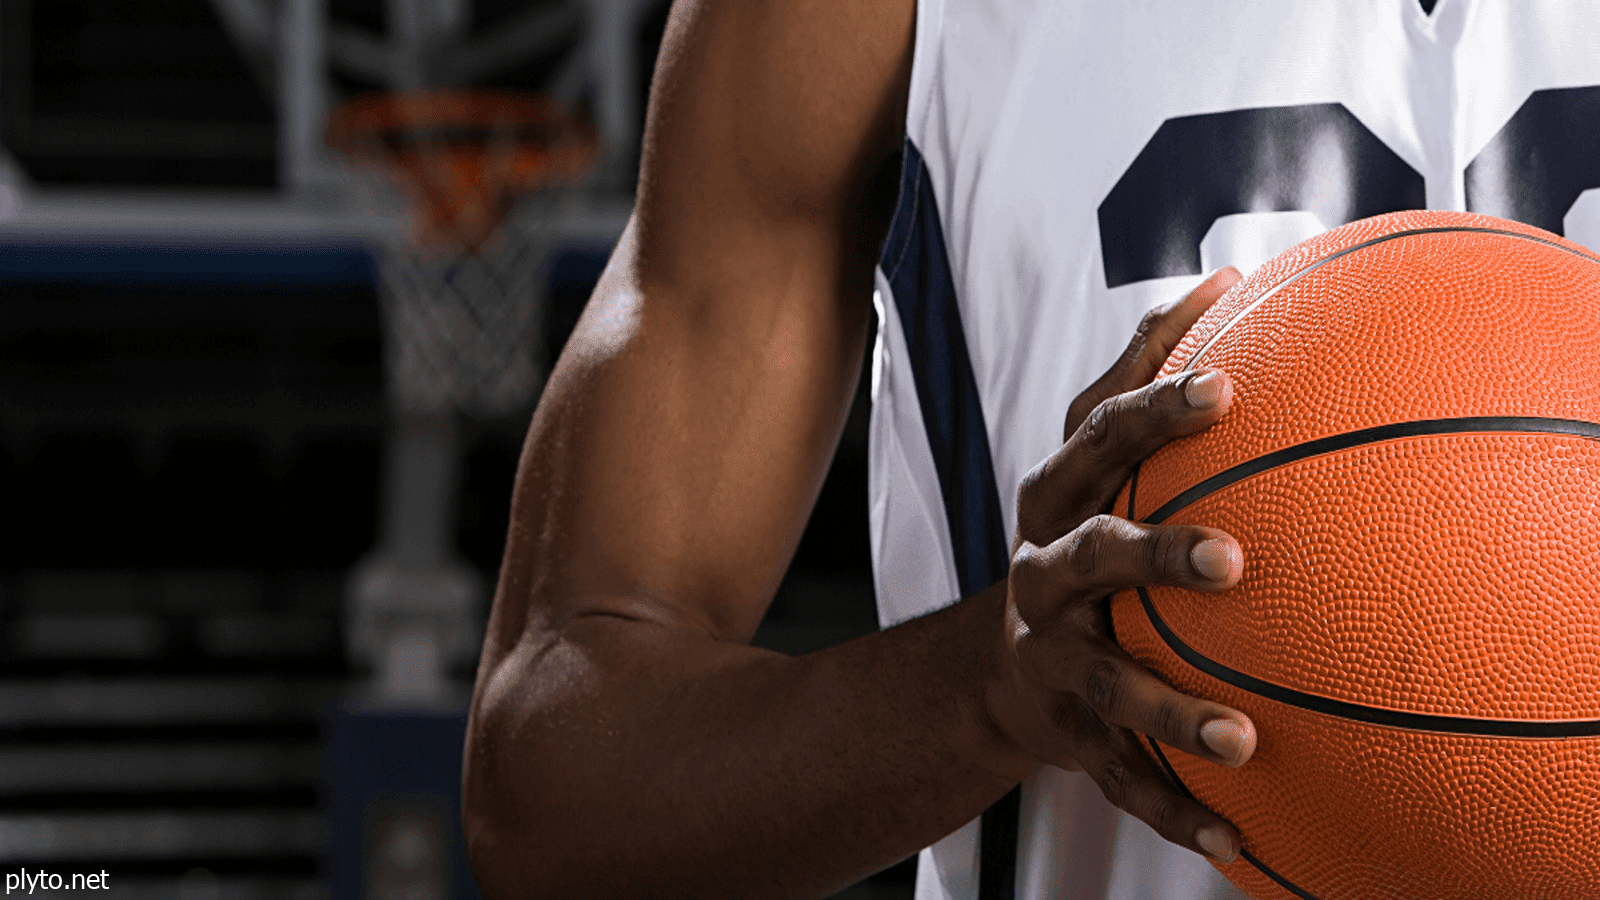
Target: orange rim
point(464, 156)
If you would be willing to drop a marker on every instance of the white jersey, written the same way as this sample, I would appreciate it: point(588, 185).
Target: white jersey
point(1070, 164)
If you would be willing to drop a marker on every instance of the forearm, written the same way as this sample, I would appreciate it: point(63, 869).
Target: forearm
point(618, 758)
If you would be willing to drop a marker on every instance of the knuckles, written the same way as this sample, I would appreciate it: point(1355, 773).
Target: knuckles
point(1102, 687)
point(1166, 554)
point(1167, 722)
point(1078, 412)
point(1165, 405)
point(1098, 427)
point(1030, 566)
point(1150, 323)
point(1049, 501)
point(1127, 423)
point(1032, 483)
point(1114, 779)
point(1086, 546)
point(1163, 813)
point(1070, 717)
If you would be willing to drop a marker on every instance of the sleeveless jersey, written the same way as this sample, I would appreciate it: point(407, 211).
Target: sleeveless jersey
point(1070, 164)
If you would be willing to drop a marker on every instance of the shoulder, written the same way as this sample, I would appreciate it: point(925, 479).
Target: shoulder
point(795, 102)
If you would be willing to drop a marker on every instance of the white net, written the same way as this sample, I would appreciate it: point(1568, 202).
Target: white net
point(463, 332)
point(483, 177)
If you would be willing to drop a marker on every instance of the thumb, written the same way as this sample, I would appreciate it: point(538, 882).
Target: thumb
point(1153, 341)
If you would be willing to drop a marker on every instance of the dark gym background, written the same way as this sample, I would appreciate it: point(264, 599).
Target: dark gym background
point(190, 437)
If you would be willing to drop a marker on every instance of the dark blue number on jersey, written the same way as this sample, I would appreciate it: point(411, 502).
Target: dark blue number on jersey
point(1319, 158)
point(1535, 168)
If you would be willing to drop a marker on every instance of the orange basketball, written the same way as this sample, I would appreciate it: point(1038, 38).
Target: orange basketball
point(1412, 467)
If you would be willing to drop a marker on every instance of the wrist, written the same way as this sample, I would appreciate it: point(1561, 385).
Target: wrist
point(1004, 708)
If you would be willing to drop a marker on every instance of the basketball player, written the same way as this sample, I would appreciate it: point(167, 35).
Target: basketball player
point(1018, 186)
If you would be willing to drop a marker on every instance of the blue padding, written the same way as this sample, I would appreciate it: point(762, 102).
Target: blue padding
point(324, 264)
point(375, 761)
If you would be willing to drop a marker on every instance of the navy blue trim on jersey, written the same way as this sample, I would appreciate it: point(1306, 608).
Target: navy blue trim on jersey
point(918, 268)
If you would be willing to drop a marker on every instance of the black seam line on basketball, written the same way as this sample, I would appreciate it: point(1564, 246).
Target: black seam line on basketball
point(1133, 490)
point(1392, 431)
point(1195, 359)
point(1248, 857)
point(1372, 715)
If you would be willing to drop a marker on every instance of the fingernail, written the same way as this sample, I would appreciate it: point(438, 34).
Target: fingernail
point(1212, 558)
point(1216, 842)
point(1223, 737)
point(1204, 391)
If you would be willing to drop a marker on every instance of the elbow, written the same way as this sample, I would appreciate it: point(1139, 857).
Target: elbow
point(509, 855)
point(535, 815)
point(490, 849)
point(514, 840)
point(519, 811)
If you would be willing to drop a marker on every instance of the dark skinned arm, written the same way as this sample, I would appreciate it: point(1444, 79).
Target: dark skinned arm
point(625, 740)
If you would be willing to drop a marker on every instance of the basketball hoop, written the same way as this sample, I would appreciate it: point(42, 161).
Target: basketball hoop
point(481, 173)
point(463, 156)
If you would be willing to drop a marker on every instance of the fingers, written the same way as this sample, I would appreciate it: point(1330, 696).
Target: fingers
point(1056, 591)
point(1123, 431)
point(1100, 696)
point(1129, 427)
point(1106, 554)
point(1133, 783)
point(1153, 341)
point(1117, 690)
point(1149, 348)
point(1123, 693)
point(1084, 475)
point(1123, 418)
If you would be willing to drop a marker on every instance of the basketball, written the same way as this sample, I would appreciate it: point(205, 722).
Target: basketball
point(1412, 469)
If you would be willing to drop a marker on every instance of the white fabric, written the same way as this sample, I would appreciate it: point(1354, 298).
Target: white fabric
point(1027, 112)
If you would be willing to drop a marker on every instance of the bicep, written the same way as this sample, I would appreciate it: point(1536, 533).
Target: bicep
point(687, 427)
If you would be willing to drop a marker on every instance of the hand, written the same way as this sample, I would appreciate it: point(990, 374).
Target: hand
point(1068, 695)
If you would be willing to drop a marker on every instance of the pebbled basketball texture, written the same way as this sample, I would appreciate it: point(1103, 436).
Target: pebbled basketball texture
point(1412, 468)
